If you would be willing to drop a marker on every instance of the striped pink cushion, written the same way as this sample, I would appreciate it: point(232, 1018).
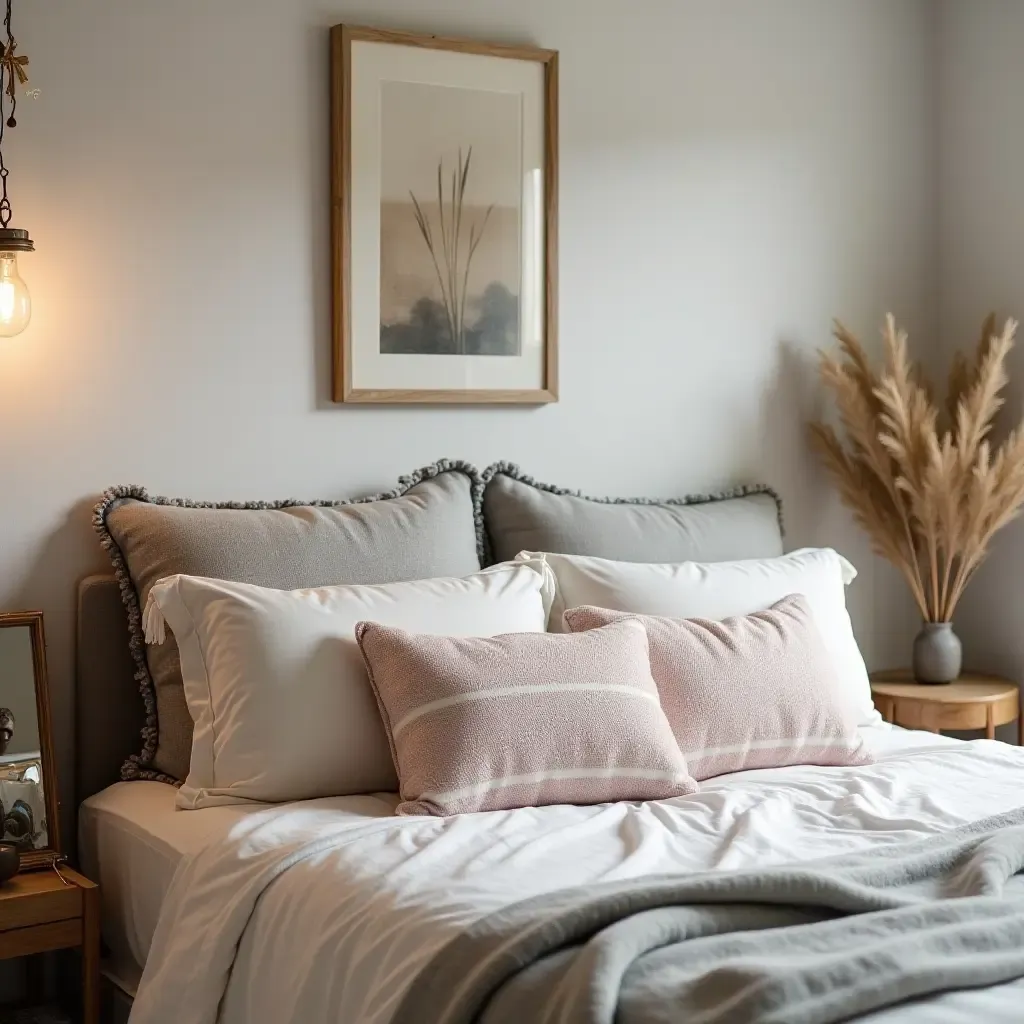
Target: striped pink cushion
point(523, 719)
point(755, 691)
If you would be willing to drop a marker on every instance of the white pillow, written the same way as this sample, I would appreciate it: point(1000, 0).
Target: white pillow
point(277, 688)
point(719, 590)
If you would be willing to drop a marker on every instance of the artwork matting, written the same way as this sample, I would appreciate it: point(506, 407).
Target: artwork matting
point(444, 214)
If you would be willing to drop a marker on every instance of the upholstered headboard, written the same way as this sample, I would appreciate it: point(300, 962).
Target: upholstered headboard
point(108, 710)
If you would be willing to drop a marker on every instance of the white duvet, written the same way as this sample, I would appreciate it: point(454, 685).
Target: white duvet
point(324, 911)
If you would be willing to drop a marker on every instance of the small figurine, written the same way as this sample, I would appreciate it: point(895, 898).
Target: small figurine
point(6, 728)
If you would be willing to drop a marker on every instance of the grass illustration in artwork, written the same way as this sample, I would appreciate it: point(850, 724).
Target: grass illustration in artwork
point(452, 260)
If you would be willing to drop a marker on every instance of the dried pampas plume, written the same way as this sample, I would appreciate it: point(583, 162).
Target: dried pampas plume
point(921, 478)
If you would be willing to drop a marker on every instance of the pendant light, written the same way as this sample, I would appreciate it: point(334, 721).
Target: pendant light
point(15, 302)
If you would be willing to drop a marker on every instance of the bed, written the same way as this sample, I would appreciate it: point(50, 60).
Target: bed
point(330, 909)
point(400, 887)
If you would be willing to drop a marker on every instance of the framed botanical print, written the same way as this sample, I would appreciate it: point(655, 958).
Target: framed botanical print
point(445, 199)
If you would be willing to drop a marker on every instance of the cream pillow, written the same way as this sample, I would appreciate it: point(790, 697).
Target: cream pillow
point(721, 590)
point(276, 686)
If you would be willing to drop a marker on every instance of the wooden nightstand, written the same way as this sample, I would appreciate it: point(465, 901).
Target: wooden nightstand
point(39, 912)
point(974, 701)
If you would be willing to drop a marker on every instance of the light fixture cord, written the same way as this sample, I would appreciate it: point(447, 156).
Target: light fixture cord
point(6, 89)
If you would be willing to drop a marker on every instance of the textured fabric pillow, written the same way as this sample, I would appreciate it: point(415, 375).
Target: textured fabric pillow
point(721, 590)
point(282, 706)
point(755, 691)
point(522, 720)
point(523, 515)
point(428, 526)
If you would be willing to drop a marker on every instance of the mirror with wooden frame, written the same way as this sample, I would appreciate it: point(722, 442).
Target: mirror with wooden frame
point(28, 779)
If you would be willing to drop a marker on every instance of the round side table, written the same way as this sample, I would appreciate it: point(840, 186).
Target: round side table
point(974, 701)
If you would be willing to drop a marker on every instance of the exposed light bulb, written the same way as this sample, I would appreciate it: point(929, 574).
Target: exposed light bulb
point(15, 302)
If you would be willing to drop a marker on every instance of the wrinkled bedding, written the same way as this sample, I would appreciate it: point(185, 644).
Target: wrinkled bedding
point(814, 943)
point(327, 910)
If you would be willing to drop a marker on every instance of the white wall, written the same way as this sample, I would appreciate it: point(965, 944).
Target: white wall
point(981, 197)
point(733, 174)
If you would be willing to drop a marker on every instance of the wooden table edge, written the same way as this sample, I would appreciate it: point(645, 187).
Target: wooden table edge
point(75, 931)
point(1005, 695)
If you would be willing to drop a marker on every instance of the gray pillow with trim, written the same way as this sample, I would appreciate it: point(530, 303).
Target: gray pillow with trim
point(428, 526)
point(523, 515)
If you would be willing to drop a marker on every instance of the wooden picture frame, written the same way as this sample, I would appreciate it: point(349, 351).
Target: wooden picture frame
point(413, 354)
point(53, 851)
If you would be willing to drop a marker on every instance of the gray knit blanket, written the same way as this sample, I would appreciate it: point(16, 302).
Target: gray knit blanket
point(797, 944)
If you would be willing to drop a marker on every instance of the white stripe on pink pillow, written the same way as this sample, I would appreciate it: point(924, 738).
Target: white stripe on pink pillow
point(523, 719)
point(754, 691)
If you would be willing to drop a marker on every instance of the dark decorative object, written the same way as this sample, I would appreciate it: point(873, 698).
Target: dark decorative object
point(15, 302)
point(6, 728)
point(19, 824)
point(10, 861)
point(938, 655)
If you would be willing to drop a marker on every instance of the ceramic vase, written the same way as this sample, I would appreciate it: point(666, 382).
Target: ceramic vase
point(937, 653)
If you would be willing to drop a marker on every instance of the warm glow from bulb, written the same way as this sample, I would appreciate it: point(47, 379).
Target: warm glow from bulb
point(15, 302)
point(8, 300)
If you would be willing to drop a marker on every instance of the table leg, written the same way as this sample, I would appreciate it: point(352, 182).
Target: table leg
point(990, 723)
point(886, 708)
point(1020, 729)
point(35, 978)
point(91, 956)
point(926, 719)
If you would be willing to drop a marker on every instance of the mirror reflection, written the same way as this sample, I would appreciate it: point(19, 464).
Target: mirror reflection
point(22, 803)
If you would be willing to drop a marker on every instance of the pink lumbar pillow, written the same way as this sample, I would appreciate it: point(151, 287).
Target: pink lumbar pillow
point(520, 720)
point(754, 691)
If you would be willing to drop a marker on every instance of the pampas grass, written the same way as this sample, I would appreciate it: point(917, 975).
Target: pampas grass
point(920, 477)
